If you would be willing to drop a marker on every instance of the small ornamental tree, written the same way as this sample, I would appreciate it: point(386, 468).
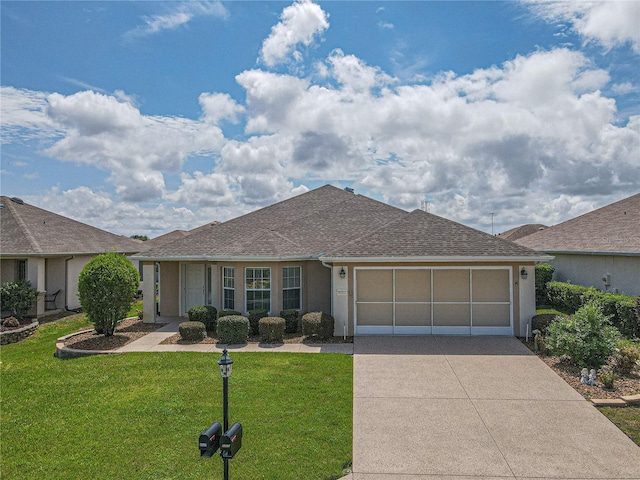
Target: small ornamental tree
point(18, 297)
point(107, 287)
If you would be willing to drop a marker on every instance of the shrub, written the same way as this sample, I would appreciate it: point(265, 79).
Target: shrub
point(626, 359)
point(227, 313)
point(11, 322)
point(254, 319)
point(291, 320)
point(18, 297)
point(233, 329)
point(192, 330)
point(586, 338)
point(542, 321)
point(544, 273)
point(107, 287)
point(271, 329)
point(607, 377)
point(319, 324)
point(205, 314)
point(626, 319)
point(565, 296)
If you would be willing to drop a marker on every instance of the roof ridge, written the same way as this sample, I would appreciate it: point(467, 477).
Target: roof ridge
point(23, 227)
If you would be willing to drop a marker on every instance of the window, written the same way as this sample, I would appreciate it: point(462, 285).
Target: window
point(228, 289)
point(291, 288)
point(21, 270)
point(258, 287)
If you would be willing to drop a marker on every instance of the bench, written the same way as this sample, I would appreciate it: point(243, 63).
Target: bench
point(50, 300)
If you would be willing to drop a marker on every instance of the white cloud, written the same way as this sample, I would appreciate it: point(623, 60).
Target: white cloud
point(610, 23)
point(299, 24)
point(24, 115)
point(219, 106)
point(180, 15)
point(624, 88)
point(385, 25)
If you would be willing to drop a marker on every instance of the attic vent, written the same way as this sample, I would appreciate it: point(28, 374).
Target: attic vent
point(348, 189)
point(17, 200)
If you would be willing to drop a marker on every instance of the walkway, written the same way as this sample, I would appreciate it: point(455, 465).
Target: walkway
point(151, 342)
point(463, 408)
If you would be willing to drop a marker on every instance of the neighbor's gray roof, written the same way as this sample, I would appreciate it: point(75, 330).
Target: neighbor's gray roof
point(522, 231)
point(28, 230)
point(611, 229)
point(330, 222)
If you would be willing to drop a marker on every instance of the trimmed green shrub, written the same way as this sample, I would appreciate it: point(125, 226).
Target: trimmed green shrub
point(626, 359)
point(205, 314)
point(254, 319)
point(227, 313)
point(18, 297)
point(586, 338)
point(319, 324)
point(565, 296)
point(192, 330)
point(107, 287)
point(544, 274)
point(271, 329)
point(233, 329)
point(542, 321)
point(607, 376)
point(291, 320)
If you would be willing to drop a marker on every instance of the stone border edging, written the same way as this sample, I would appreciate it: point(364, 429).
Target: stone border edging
point(18, 334)
point(617, 402)
point(67, 352)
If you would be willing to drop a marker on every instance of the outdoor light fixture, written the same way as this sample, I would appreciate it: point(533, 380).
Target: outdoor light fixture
point(342, 273)
point(225, 364)
point(523, 273)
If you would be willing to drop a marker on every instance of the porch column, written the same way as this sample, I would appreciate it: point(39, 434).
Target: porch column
point(36, 275)
point(149, 292)
point(340, 301)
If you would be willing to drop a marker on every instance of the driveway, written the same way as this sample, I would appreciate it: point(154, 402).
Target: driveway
point(468, 408)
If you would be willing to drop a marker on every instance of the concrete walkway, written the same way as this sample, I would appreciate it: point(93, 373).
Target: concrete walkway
point(463, 408)
point(151, 342)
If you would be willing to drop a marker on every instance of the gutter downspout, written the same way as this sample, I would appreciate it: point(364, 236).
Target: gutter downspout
point(344, 324)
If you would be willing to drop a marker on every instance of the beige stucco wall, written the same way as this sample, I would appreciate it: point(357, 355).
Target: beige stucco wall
point(588, 270)
point(169, 289)
point(55, 279)
point(74, 267)
point(7, 269)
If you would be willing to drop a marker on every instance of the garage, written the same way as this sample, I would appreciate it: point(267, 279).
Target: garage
point(433, 300)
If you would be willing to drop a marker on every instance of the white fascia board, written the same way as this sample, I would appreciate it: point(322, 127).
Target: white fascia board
point(575, 252)
point(222, 258)
point(532, 259)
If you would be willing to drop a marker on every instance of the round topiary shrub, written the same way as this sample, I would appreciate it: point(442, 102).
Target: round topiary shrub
point(227, 313)
point(192, 330)
point(233, 329)
point(254, 319)
point(205, 314)
point(290, 320)
point(318, 324)
point(271, 329)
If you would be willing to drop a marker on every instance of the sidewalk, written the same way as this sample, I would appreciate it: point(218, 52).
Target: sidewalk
point(152, 343)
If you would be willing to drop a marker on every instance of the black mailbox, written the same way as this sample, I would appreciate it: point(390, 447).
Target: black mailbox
point(209, 441)
point(231, 441)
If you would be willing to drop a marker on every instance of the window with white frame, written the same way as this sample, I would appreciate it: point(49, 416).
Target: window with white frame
point(228, 288)
point(292, 288)
point(258, 288)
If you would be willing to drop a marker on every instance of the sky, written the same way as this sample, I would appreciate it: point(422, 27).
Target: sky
point(146, 117)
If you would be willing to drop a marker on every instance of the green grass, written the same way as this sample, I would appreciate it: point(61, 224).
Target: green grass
point(139, 415)
point(545, 309)
point(133, 311)
point(626, 419)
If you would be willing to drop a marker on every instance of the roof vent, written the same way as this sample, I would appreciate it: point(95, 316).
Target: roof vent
point(348, 189)
point(17, 200)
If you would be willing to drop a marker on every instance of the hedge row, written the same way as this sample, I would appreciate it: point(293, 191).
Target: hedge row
point(621, 309)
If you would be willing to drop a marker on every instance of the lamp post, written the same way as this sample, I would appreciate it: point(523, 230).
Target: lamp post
point(225, 364)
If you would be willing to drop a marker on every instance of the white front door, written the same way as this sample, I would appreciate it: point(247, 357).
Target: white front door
point(194, 285)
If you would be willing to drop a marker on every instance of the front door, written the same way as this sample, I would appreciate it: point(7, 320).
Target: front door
point(194, 285)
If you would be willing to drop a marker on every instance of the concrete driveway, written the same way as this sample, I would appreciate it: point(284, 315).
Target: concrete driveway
point(468, 408)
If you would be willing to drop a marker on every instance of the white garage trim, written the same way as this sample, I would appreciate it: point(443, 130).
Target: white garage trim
point(429, 327)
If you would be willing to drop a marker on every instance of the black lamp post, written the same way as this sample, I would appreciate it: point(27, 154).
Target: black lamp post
point(225, 364)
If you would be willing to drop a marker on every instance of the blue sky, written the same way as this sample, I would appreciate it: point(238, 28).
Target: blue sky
point(144, 117)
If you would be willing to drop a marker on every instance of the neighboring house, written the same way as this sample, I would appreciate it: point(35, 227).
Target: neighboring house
point(50, 250)
point(600, 248)
point(376, 268)
point(522, 231)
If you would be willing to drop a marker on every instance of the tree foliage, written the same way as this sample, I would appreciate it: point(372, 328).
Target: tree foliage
point(107, 287)
point(18, 297)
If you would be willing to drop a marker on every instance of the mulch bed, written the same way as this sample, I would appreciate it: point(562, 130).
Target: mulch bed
point(570, 373)
point(288, 338)
point(127, 331)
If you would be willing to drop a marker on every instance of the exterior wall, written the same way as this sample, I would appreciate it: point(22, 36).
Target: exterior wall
point(169, 289)
point(588, 270)
point(55, 276)
point(36, 275)
point(74, 267)
point(7, 270)
point(526, 297)
point(316, 291)
point(149, 292)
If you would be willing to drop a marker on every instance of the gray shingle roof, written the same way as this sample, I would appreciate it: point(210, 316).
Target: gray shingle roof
point(522, 231)
point(614, 228)
point(332, 222)
point(28, 230)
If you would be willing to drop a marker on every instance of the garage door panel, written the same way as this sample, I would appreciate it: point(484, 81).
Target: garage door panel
point(491, 315)
point(375, 314)
point(490, 285)
point(375, 285)
point(413, 285)
point(451, 316)
point(413, 314)
point(451, 286)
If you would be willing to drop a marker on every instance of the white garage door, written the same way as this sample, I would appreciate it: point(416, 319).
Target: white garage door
point(437, 300)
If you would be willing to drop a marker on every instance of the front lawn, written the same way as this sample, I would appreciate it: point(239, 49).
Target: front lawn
point(626, 419)
point(139, 415)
